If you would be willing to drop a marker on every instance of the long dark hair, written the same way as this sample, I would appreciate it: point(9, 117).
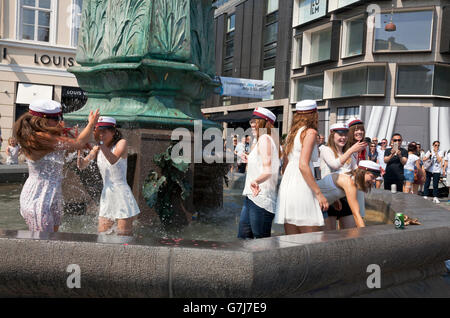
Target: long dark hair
point(117, 135)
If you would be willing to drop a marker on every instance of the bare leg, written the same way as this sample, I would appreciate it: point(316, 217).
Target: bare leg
point(104, 224)
point(290, 229)
point(330, 223)
point(125, 226)
point(347, 222)
point(55, 228)
point(309, 229)
point(407, 187)
point(378, 184)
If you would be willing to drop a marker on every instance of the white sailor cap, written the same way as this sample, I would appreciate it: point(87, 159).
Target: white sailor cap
point(306, 105)
point(354, 121)
point(264, 113)
point(106, 122)
point(370, 166)
point(45, 108)
point(339, 127)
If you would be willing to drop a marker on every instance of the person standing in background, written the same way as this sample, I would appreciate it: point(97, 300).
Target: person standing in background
point(395, 159)
point(447, 173)
point(380, 161)
point(240, 151)
point(434, 171)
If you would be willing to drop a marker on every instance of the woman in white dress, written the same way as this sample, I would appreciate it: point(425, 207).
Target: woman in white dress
point(117, 201)
point(334, 159)
point(40, 135)
point(300, 202)
point(260, 191)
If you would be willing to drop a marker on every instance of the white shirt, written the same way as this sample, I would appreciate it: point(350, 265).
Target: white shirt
point(329, 163)
point(267, 197)
point(435, 166)
point(412, 158)
point(381, 158)
point(447, 158)
point(240, 148)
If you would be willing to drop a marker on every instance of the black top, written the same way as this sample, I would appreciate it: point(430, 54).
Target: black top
point(394, 168)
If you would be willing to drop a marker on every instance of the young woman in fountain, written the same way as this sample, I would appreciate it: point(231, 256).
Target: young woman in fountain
point(117, 201)
point(39, 133)
point(334, 159)
point(300, 200)
point(336, 186)
point(260, 189)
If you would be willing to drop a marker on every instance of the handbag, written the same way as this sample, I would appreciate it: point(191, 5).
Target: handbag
point(427, 164)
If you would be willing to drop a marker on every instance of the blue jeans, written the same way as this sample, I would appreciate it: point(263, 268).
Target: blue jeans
point(255, 222)
point(435, 177)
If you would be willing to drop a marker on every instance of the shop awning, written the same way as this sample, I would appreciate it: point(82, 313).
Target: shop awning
point(26, 92)
point(242, 116)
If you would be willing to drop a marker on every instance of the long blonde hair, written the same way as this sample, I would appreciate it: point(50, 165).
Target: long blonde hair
point(301, 119)
point(333, 146)
point(34, 133)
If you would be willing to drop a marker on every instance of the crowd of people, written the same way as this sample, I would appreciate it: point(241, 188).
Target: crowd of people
point(410, 169)
point(304, 202)
point(323, 184)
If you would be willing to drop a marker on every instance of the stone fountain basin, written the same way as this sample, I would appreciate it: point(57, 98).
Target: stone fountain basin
point(321, 264)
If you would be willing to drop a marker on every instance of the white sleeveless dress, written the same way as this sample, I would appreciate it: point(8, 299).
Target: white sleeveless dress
point(117, 200)
point(267, 197)
point(296, 202)
point(41, 199)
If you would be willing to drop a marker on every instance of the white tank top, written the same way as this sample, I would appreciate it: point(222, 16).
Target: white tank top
point(267, 197)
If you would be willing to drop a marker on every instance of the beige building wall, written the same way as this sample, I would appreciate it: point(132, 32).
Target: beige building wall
point(23, 61)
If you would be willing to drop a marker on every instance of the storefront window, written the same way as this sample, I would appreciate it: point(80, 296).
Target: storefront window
point(35, 20)
point(72, 98)
point(310, 87)
point(413, 32)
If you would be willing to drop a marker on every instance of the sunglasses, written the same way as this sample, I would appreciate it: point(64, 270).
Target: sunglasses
point(395, 140)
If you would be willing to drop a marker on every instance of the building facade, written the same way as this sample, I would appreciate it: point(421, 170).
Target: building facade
point(38, 40)
point(252, 41)
point(348, 56)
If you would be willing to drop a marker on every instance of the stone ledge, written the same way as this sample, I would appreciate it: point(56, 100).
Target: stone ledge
point(321, 264)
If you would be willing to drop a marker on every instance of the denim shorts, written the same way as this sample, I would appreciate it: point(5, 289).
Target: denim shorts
point(409, 175)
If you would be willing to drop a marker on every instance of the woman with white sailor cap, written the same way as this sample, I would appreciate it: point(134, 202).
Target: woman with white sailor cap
point(334, 159)
point(300, 201)
point(260, 189)
point(339, 185)
point(117, 202)
point(40, 134)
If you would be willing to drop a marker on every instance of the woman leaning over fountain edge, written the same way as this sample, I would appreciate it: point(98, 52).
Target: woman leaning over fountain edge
point(339, 185)
point(117, 201)
point(262, 178)
point(39, 133)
